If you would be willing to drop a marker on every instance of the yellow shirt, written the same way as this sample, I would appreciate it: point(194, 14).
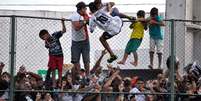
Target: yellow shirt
point(138, 30)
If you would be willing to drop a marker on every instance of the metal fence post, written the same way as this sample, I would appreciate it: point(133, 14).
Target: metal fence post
point(12, 57)
point(172, 52)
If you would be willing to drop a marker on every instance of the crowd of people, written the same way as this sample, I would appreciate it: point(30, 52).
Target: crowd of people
point(94, 80)
point(109, 82)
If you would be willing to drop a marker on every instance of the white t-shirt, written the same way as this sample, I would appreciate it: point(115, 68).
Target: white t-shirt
point(105, 21)
point(67, 97)
point(77, 97)
point(138, 97)
point(79, 35)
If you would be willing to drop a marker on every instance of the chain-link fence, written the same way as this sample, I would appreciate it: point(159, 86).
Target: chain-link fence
point(5, 40)
point(21, 46)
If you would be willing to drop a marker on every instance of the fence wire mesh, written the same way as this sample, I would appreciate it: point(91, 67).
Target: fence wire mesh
point(32, 54)
point(4, 41)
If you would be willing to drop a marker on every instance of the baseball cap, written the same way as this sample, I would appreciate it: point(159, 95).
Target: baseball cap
point(80, 5)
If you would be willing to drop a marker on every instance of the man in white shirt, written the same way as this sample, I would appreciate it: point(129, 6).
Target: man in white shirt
point(138, 89)
point(111, 26)
point(80, 38)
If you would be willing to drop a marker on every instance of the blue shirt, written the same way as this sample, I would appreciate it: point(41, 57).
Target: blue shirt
point(155, 30)
point(54, 44)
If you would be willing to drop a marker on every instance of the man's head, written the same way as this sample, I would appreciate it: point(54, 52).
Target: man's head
point(176, 62)
point(44, 34)
point(98, 3)
point(127, 82)
point(140, 14)
point(81, 8)
point(22, 70)
point(154, 11)
point(5, 76)
point(193, 71)
point(82, 72)
point(140, 84)
point(93, 8)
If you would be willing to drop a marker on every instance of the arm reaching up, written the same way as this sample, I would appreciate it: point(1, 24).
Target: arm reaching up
point(63, 25)
point(97, 65)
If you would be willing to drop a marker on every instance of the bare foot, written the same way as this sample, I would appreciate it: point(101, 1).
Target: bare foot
point(134, 63)
point(121, 62)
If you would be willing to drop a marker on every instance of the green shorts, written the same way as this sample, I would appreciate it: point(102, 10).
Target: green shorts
point(133, 45)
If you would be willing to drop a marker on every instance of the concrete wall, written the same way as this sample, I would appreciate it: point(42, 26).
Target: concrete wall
point(175, 9)
point(197, 33)
point(189, 33)
point(187, 38)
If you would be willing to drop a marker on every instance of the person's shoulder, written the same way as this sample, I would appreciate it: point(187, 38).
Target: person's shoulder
point(92, 17)
point(55, 33)
point(159, 17)
point(134, 90)
point(75, 14)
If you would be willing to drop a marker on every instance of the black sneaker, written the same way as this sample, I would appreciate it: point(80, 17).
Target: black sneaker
point(112, 58)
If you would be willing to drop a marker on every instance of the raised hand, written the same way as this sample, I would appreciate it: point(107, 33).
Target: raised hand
point(1, 65)
point(104, 52)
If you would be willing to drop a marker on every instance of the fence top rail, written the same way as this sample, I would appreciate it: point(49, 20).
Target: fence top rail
point(50, 18)
point(35, 17)
point(182, 20)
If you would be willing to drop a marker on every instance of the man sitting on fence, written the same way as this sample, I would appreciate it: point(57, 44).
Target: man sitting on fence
point(111, 26)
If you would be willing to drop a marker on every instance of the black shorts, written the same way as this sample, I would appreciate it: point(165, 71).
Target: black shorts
point(106, 35)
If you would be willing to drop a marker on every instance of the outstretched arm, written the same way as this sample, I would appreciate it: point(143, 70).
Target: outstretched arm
point(111, 78)
point(158, 22)
point(161, 23)
point(78, 24)
point(63, 25)
point(97, 65)
point(1, 67)
point(92, 24)
point(131, 25)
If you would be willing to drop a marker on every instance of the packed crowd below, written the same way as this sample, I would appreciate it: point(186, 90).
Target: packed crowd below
point(99, 81)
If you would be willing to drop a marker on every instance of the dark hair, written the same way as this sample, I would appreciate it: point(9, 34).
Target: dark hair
point(127, 83)
point(80, 5)
point(92, 7)
point(154, 11)
point(82, 70)
point(42, 32)
point(141, 13)
point(98, 3)
point(140, 79)
point(168, 62)
point(6, 73)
